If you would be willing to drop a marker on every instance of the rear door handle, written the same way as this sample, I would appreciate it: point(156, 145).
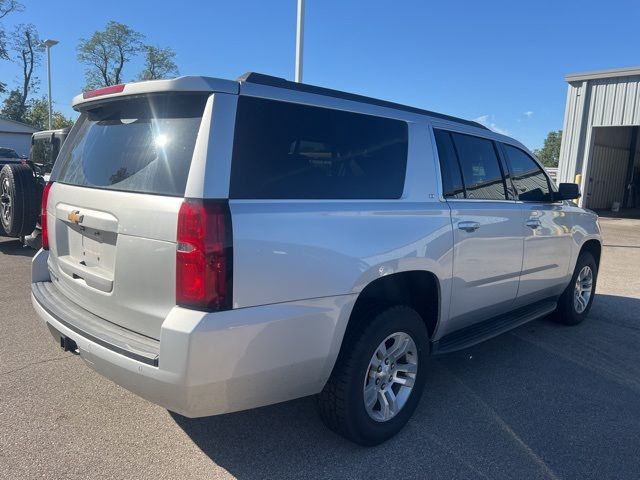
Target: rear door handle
point(533, 223)
point(468, 226)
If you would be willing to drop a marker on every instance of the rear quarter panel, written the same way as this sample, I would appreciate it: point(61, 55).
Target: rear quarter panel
point(285, 251)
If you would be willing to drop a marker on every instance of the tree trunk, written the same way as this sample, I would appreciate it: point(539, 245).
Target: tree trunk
point(119, 68)
point(27, 70)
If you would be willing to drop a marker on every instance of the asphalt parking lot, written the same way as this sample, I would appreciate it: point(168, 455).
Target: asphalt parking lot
point(543, 401)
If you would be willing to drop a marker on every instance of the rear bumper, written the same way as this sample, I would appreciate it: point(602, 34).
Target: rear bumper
point(93, 328)
point(159, 386)
point(213, 363)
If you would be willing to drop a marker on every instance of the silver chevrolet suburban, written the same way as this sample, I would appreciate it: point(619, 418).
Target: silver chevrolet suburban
point(216, 245)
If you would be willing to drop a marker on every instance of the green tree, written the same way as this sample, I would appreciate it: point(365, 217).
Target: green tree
point(549, 154)
point(35, 113)
point(106, 52)
point(12, 107)
point(38, 116)
point(6, 7)
point(3, 56)
point(159, 63)
point(27, 49)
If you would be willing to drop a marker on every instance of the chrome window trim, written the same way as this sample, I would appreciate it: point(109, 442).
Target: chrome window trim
point(436, 160)
point(480, 200)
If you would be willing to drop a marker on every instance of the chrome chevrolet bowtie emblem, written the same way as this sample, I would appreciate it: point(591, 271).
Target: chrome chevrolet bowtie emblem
point(75, 216)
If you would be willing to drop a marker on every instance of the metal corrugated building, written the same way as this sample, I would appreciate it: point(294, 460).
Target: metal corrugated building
point(600, 137)
point(16, 135)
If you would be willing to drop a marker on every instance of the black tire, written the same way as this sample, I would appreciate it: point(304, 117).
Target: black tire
point(566, 312)
point(341, 402)
point(20, 201)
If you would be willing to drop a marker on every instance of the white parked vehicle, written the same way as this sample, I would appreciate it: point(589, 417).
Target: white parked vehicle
point(220, 245)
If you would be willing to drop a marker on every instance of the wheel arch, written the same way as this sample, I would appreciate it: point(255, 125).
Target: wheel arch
point(417, 289)
point(594, 247)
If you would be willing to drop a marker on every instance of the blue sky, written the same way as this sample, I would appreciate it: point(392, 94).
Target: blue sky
point(500, 62)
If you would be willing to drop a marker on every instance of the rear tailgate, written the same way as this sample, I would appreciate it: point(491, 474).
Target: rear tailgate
point(113, 209)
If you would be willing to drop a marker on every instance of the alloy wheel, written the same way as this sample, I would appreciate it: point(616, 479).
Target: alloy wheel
point(5, 201)
point(583, 289)
point(390, 376)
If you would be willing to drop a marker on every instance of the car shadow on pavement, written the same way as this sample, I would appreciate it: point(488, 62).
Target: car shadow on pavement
point(543, 401)
point(10, 246)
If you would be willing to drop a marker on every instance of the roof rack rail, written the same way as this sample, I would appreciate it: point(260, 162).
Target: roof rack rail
point(262, 79)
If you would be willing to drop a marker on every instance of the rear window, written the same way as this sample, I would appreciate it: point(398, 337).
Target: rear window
point(480, 167)
point(290, 151)
point(44, 152)
point(142, 144)
point(449, 166)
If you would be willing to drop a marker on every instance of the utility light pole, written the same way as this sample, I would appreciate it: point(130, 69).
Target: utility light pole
point(48, 44)
point(299, 40)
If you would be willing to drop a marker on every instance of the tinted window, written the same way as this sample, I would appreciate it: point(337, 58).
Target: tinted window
point(529, 180)
point(140, 145)
point(451, 177)
point(8, 153)
point(44, 152)
point(40, 151)
point(480, 168)
point(286, 150)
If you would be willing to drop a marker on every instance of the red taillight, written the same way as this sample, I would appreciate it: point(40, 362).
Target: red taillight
point(104, 91)
point(204, 255)
point(43, 215)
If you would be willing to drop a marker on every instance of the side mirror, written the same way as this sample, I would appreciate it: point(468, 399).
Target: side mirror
point(567, 191)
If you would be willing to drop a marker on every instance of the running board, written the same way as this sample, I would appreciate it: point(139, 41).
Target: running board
point(473, 334)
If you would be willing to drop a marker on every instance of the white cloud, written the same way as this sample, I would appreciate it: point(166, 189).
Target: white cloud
point(487, 121)
point(497, 129)
point(528, 114)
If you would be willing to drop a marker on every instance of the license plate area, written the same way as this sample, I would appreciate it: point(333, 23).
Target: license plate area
point(86, 243)
point(97, 248)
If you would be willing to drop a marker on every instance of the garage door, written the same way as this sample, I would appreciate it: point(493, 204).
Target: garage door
point(608, 166)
